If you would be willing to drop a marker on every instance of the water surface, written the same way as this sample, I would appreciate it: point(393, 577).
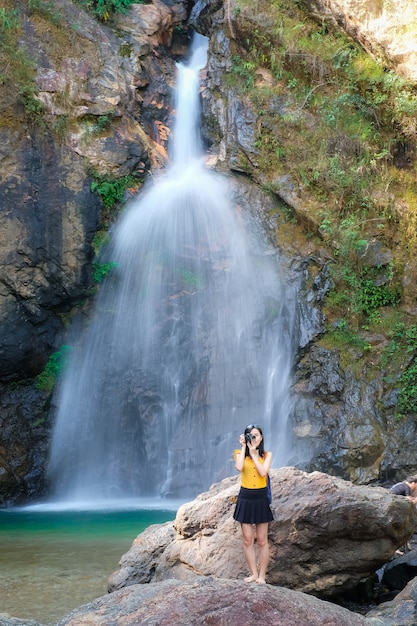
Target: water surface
point(54, 561)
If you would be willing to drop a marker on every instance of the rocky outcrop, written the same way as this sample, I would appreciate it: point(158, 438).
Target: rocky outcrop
point(401, 570)
point(90, 98)
point(328, 535)
point(344, 433)
point(386, 30)
point(24, 442)
point(401, 611)
point(212, 601)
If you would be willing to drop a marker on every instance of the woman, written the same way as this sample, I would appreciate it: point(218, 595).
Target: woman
point(252, 507)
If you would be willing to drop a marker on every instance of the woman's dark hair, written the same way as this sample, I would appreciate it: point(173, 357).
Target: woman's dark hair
point(261, 448)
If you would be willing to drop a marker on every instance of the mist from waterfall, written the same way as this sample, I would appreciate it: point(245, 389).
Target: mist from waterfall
point(190, 341)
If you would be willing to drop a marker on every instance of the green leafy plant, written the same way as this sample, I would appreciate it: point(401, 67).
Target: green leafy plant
point(34, 108)
point(373, 296)
point(401, 349)
point(407, 397)
point(357, 289)
point(100, 239)
point(191, 279)
point(8, 19)
point(244, 71)
point(53, 370)
point(101, 270)
point(103, 9)
point(112, 190)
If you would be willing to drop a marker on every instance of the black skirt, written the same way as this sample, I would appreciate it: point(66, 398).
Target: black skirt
point(252, 507)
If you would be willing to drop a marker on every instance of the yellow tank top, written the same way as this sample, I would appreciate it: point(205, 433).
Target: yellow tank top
point(249, 476)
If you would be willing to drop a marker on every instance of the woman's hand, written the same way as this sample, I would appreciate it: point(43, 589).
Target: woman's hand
point(253, 450)
point(240, 458)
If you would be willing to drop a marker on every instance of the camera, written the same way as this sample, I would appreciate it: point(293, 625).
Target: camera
point(248, 437)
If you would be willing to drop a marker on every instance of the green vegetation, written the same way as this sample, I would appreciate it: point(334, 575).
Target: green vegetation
point(45, 9)
point(101, 270)
point(112, 190)
point(96, 125)
point(112, 193)
point(401, 356)
point(191, 279)
point(103, 9)
point(53, 370)
point(18, 68)
point(8, 20)
point(363, 112)
point(364, 115)
point(340, 127)
point(359, 291)
point(244, 71)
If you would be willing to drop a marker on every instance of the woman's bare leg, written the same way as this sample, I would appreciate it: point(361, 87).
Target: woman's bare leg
point(249, 552)
point(263, 551)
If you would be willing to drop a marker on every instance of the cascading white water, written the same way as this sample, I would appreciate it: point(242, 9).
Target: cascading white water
point(191, 339)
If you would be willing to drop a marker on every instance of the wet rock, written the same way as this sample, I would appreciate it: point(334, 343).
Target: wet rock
point(327, 536)
point(90, 96)
point(401, 611)
point(93, 85)
point(398, 572)
point(24, 443)
point(8, 620)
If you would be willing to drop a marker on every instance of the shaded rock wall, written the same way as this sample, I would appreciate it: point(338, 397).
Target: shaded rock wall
point(106, 101)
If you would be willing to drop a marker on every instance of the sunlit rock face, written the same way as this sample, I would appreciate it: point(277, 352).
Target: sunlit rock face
point(386, 29)
point(208, 600)
point(327, 537)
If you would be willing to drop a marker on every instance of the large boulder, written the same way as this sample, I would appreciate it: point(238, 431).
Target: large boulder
point(210, 601)
point(328, 535)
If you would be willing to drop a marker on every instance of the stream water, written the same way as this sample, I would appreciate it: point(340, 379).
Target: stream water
point(53, 561)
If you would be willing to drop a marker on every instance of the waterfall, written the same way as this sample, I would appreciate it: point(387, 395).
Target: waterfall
point(190, 341)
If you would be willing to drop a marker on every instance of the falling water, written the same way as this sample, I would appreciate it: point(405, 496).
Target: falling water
point(191, 339)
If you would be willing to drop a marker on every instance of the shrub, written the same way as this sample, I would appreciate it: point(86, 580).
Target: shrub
point(104, 8)
point(101, 270)
point(112, 190)
point(53, 369)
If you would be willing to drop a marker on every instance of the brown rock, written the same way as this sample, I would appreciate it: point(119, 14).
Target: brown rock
point(217, 602)
point(327, 536)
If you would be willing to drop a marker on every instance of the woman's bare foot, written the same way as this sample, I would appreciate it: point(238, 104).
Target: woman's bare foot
point(251, 579)
point(261, 581)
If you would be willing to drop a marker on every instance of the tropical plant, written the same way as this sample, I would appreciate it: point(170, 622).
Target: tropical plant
point(53, 369)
